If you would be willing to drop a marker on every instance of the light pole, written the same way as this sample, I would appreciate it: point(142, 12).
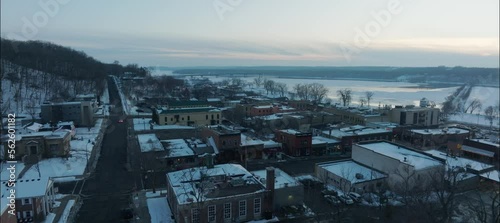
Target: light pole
point(144, 122)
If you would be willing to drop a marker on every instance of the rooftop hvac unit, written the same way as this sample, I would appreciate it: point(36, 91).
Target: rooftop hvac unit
point(359, 176)
point(237, 182)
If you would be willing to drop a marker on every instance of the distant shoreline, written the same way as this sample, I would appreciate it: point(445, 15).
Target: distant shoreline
point(420, 84)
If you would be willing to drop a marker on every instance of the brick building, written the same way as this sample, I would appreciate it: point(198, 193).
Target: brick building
point(220, 193)
point(295, 143)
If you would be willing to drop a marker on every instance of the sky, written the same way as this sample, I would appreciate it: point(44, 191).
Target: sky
point(265, 32)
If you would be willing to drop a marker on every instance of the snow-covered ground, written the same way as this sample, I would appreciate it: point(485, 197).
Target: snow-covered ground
point(64, 169)
point(391, 93)
point(159, 210)
point(274, 219)
point(67, 210)
point(143, 124)
point(50, 218)
point(474, 119)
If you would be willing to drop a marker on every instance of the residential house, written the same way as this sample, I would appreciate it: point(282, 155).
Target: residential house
point(34, 198)
point(226, 140)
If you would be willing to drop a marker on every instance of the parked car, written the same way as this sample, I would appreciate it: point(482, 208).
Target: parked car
point(346, 199)
point(355, 197)
point(332, 199)
point(328, 192)
point(120, 121)
point(127, 213)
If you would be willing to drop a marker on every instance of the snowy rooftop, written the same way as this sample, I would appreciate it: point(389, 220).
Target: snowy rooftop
point(459, 161)
point(292, 131)
point(143, 124)
point(250, 141)
point(281, 179)
point(213, 99)
point(324, 139)
point(263, 106)
point(348, 170)
point(484, 141)
point(415, 159)
point(46, 134)
point(177, 148)
point(184, 181)
point(27, 188)
point(339, 133)
point(492, 175)
point(149, 143)
point(440, 131)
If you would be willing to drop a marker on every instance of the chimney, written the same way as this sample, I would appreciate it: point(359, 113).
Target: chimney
point(209, 161)
point(269, 198)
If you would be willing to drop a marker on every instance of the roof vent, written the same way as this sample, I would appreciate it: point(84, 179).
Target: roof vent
point(404, 159)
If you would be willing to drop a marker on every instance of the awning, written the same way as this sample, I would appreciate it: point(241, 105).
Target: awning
point(478, 151)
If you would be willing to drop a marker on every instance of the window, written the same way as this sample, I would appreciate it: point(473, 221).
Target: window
point(27, 214)
point(26, 201)
point(171, 119)
point(195, 215)
point(211, 213)
point(227, 211)
point(223, 142)
point(243, 208)
point(206, 117)
point(166, 119)
point(189, 118)
point(182, 118)
point(217, 116)
point(256, 206)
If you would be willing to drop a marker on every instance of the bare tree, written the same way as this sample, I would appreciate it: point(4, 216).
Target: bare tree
point(270, 86)
point(302, 91)
point(444, 185)
point(318, 92)
point(282, 88)
point(362, 102)
point(345, 96)
point(484, 208)
point(258, 81)
point(473, 105)
point(196, 184)
point(369, 96)
point(490, 114)
point(237, 82)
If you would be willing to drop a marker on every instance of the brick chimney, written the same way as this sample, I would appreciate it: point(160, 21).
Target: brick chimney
point(269, 199)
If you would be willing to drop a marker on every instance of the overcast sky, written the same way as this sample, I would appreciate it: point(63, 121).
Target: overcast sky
point(265, 32)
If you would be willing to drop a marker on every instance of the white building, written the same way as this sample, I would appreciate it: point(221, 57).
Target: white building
point(399, 162)
point(349, 175)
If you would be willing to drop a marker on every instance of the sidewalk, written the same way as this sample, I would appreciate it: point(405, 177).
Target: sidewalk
point(140, 207)
point(58, 211)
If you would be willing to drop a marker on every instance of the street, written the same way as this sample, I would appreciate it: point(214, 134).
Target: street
point(107, 190)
